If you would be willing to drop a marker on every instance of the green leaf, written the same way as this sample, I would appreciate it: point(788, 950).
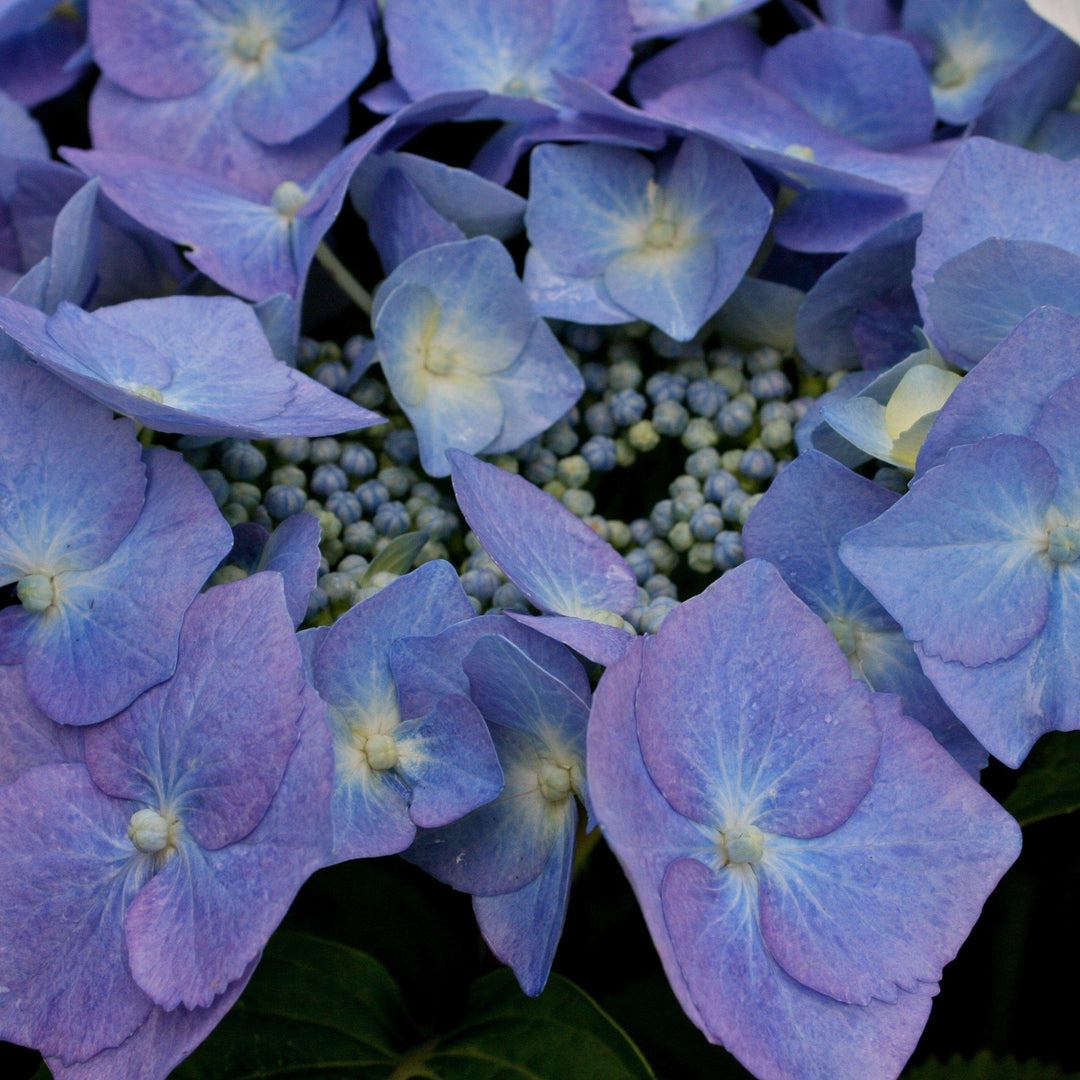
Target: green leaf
point(313, 1008)
point(319, 1009)
point(561, 1035)
point(984, 1066)
point(1050, 782)
point(397, 557)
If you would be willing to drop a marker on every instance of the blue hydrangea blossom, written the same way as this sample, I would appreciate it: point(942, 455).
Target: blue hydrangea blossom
point(806, 857)
point(190, 364)
point(614, 240)
point(515, 854)
point(465, 355)
point(798, 526)
point(261, 72)
point(396, 769)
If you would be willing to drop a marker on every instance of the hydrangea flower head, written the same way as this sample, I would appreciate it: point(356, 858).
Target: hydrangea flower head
point(465, 355)
point(139, 888)
point(106, 545)
point(614, 241)
point(806, 857)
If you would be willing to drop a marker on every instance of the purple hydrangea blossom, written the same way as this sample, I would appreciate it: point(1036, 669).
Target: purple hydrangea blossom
point(806, 857)
point(20, 133)
point(189, 364)
point(614, 240)
point(581, 583)
point(139, 888)
point(469, 361)
point(106, 544)
point(397, 768)
point(515, 854)
point(977, 564)
point(265, 73)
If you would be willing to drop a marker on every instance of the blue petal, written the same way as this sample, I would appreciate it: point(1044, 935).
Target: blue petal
point(1005, 392)
point(977, 298)
point(114, 632)
point(449, 762)
point(739, 725)
point(558, 562)
point(402, 223)
point(523, 928)
point(872, 89)
point(960, 561)
point(504, 844)
point(881, 904)
point(774, 1025)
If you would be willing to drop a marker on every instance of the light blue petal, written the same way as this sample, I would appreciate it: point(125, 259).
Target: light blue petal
point(401, 222)
point(504, 844)
point(113, 632)
point(1008, 705)
point(978, 297)
point(449, 762)
point(562, 296)
point(873, 89)
point(1005, 392)
point(959, 561)
point(587, 204)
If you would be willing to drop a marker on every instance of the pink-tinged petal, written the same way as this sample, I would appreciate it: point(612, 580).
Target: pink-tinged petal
point(212, 743)
point(960, 560)
point(113, 631)
point(556, 560)
point(68, 874)
point(738, 725)
point(158, 1045)
point(196, 926)
point(775, 1026)
point(881, 904)
point(162, 50)
point(27, 736)
point(644, 832)
point(72, 480)
point(198, 133)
